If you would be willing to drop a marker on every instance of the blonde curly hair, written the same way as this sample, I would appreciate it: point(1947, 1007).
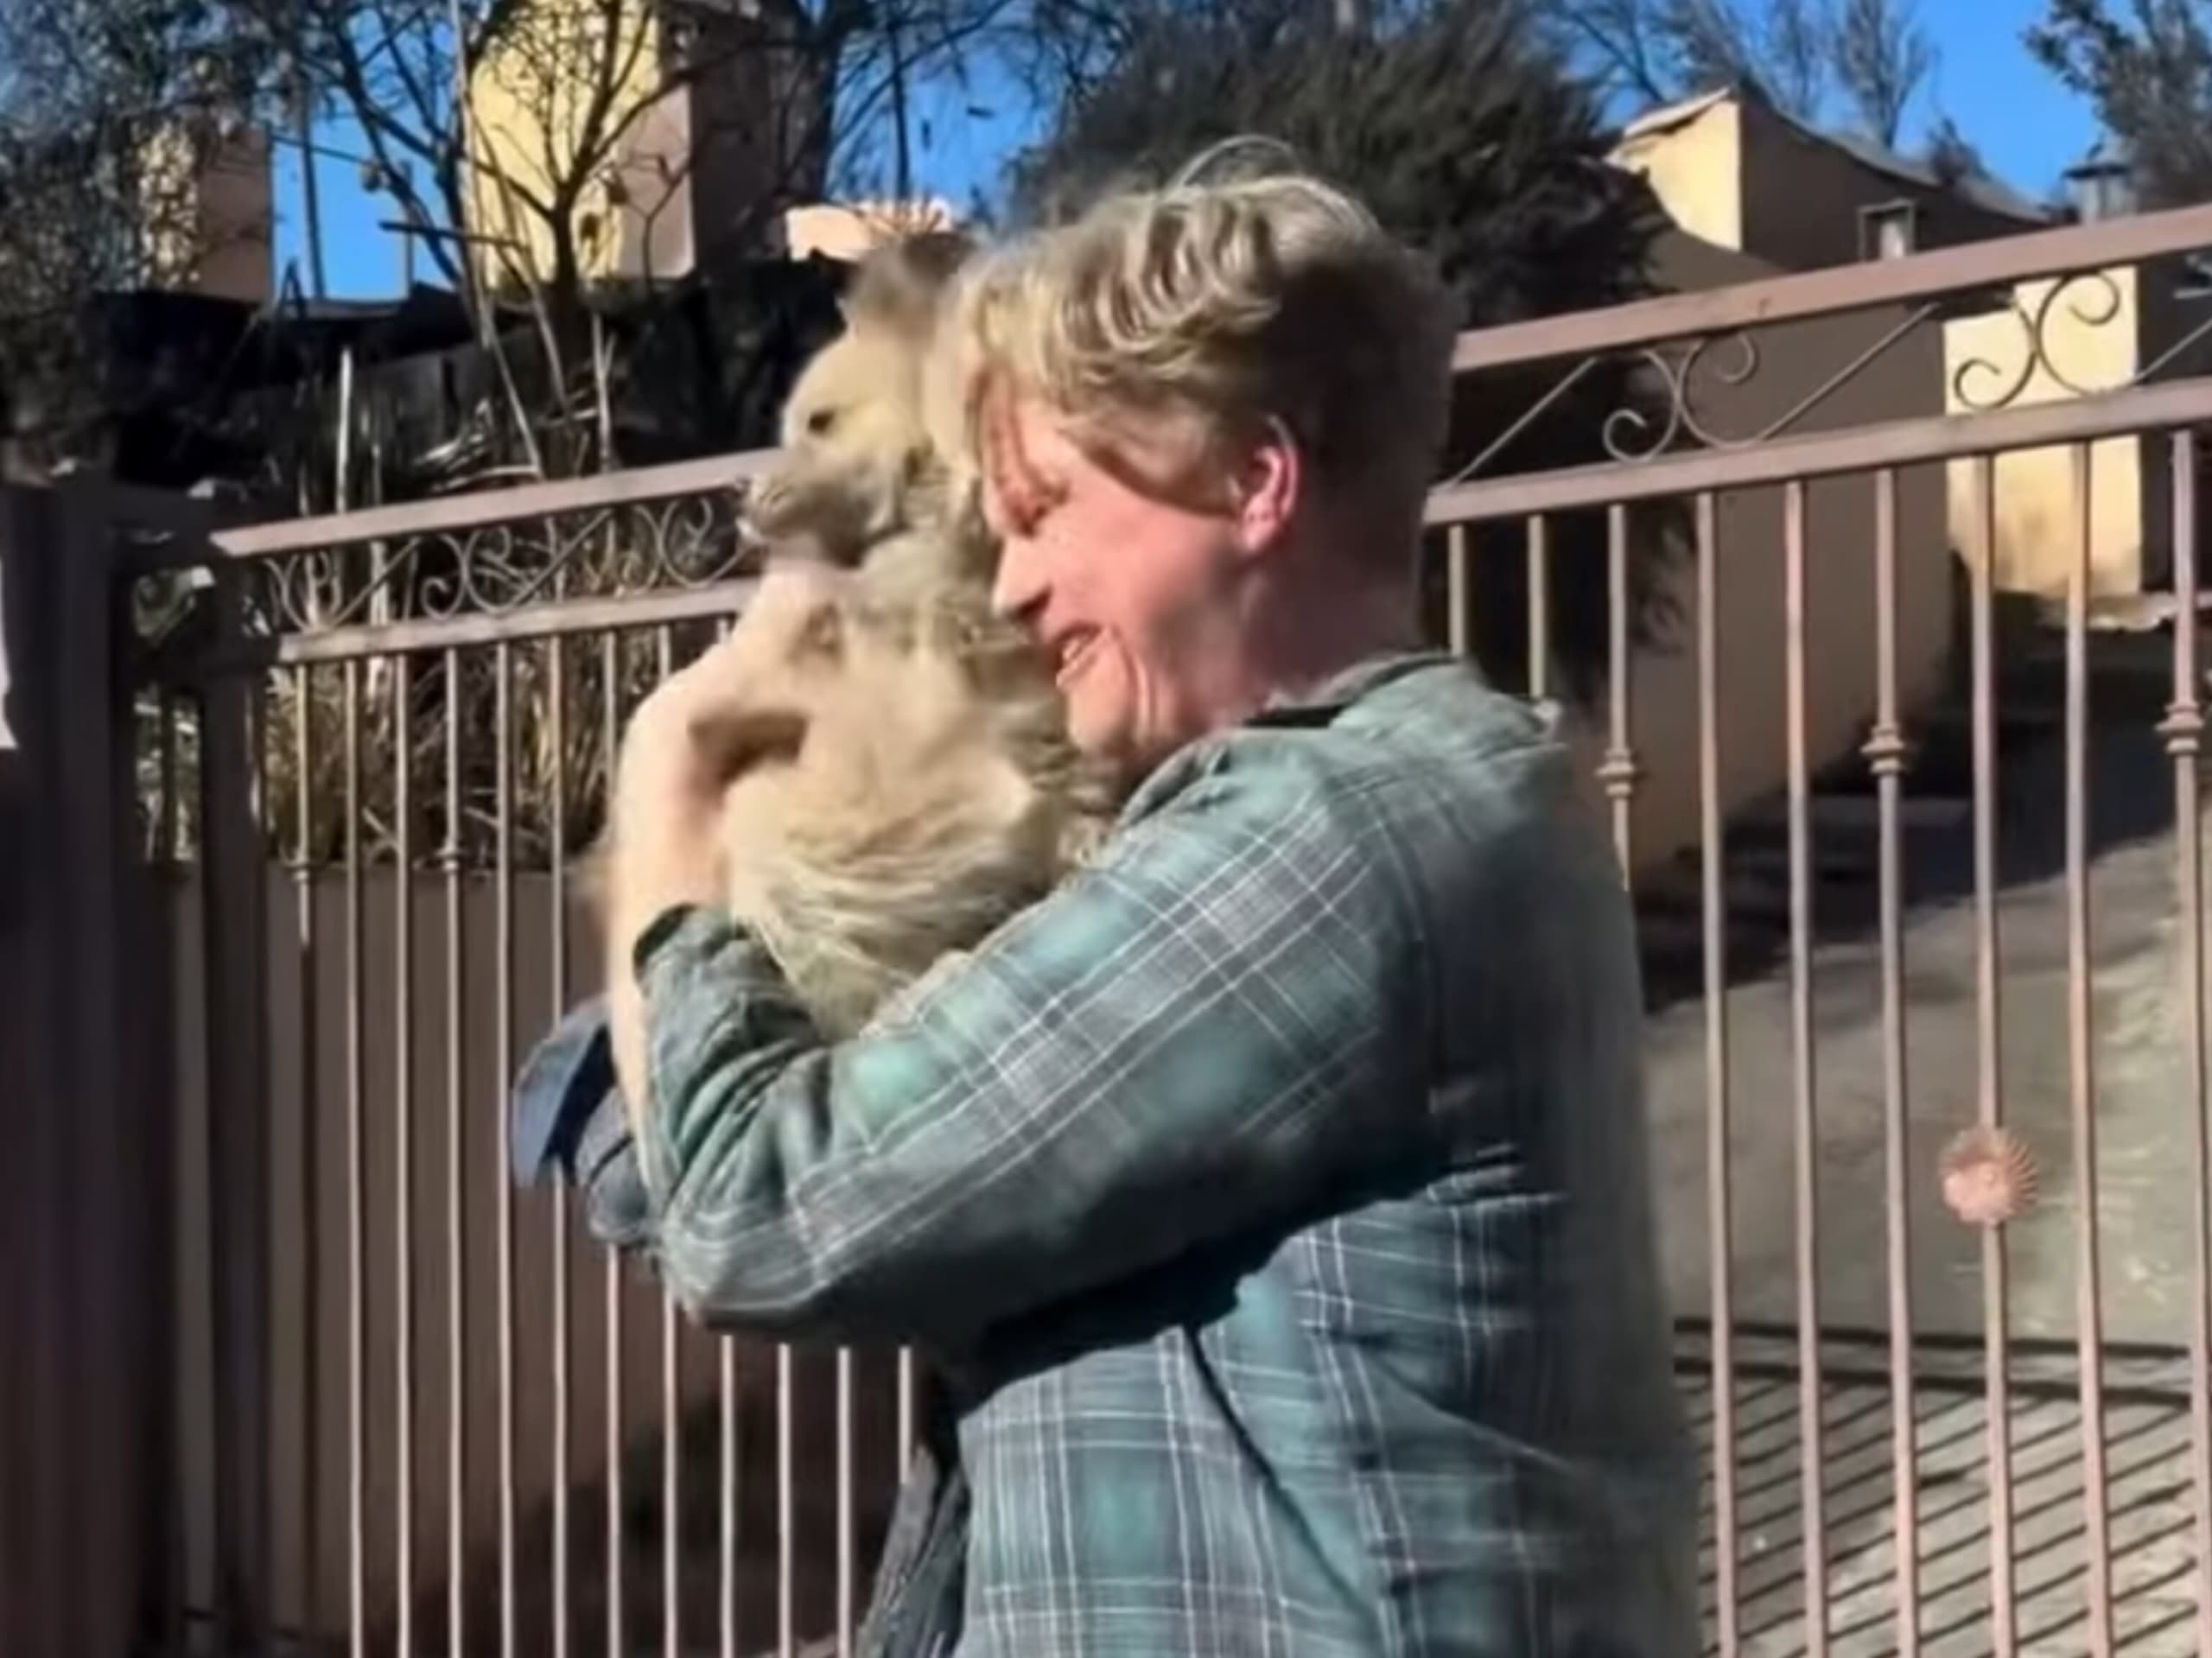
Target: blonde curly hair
point(1199, 311)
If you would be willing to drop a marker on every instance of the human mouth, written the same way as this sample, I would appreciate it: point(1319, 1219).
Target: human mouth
point(1074, 652)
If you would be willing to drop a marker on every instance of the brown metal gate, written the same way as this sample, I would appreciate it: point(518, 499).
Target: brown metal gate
point(1915, 854)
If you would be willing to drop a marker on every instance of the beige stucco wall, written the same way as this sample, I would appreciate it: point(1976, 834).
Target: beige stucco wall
point(2090, 334)
point(530, 96)
point(1694, 168)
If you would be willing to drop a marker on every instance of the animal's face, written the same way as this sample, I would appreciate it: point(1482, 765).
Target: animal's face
point(854, 446)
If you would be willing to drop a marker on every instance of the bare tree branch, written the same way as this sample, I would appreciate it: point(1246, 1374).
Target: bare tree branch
point(1882, 60)
point(1859, 61)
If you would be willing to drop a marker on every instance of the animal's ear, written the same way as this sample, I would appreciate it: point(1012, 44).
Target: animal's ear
point(901, 284)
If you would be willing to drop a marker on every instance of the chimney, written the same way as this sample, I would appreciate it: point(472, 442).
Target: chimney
point(2100, 186)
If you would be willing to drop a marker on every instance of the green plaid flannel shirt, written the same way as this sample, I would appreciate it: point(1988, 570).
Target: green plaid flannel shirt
point(1272, 1199)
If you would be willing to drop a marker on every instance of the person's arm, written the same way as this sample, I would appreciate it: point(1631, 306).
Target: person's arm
point(659, 858)
point(1223, 1016)
point(698, 730)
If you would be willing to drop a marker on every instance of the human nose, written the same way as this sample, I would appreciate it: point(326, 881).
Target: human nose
point(1018, 585)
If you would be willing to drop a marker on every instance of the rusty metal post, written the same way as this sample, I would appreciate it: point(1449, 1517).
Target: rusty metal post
point(234, 869)
point(85, 1351)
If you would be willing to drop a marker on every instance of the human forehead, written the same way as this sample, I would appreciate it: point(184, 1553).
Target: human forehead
point(1025, 458)
point(1037, 455)
point(1029, 433)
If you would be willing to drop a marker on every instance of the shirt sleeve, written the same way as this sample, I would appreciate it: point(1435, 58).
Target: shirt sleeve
point(1196, 1034)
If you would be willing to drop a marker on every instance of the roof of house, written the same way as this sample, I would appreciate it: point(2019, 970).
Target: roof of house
point(1978, 189)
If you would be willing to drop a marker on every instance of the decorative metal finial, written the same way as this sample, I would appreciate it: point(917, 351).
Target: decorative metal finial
point(1988, 1177)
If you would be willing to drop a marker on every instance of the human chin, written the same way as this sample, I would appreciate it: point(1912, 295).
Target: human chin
point(1094, 686)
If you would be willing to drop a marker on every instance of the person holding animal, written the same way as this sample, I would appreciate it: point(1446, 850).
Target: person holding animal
point(1270, 1196)
point(901, 776)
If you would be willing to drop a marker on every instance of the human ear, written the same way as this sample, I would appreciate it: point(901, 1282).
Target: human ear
point(1270, 485)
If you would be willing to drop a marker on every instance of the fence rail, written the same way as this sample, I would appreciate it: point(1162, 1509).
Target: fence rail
point(1970, 270)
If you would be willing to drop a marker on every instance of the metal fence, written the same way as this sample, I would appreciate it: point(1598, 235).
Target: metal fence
point(1866, 811)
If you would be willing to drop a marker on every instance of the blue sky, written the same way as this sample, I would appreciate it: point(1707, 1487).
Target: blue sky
point(2029, 128)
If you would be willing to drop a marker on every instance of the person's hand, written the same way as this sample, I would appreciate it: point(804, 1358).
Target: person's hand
point(743, 700)
point(737, 704)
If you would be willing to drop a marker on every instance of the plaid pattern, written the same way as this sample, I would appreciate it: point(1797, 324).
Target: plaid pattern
point(1271, 1201)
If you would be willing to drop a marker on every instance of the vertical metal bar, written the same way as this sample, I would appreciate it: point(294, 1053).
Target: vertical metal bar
point(220, 1516)
point(2183, 729)
point(1885, 753)
point(1618, 772)
point(1726, 1543)
point(845, 1564)
point(1990, 1091)
point(2081, 1073)
point(1540, 607)
point(403, 1041)
point(1459, 589)
point(356, 1182)
point(556, 793)
point(729, 1438)
point(237, 1127)
point(610, 666)
point(457, 1198)
point(728, 1344)
point(906, 1409)
point(165, 832)
point(169, 1568)
point(503, 926)
point(1811, 1439)
point(309, 1167)
point(264, 831)
point(786, 1503)
point(671, 1486)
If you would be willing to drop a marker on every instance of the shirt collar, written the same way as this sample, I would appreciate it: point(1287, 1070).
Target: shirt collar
point(1321, 701)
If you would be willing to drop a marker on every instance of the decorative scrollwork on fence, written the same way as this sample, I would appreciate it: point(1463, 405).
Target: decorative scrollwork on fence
point(506, 753)
point(1679, 392)
point(685, 542)
point(2039, 342)
point(1669, 410)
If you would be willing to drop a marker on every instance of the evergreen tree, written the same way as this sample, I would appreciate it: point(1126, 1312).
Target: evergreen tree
point(2146, 67)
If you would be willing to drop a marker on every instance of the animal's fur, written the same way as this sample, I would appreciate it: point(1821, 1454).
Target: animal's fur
point(909, 784)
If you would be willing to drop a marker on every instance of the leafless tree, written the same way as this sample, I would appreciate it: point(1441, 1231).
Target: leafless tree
point(538, 149)
point(1882, 58)
point(1869, 57)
